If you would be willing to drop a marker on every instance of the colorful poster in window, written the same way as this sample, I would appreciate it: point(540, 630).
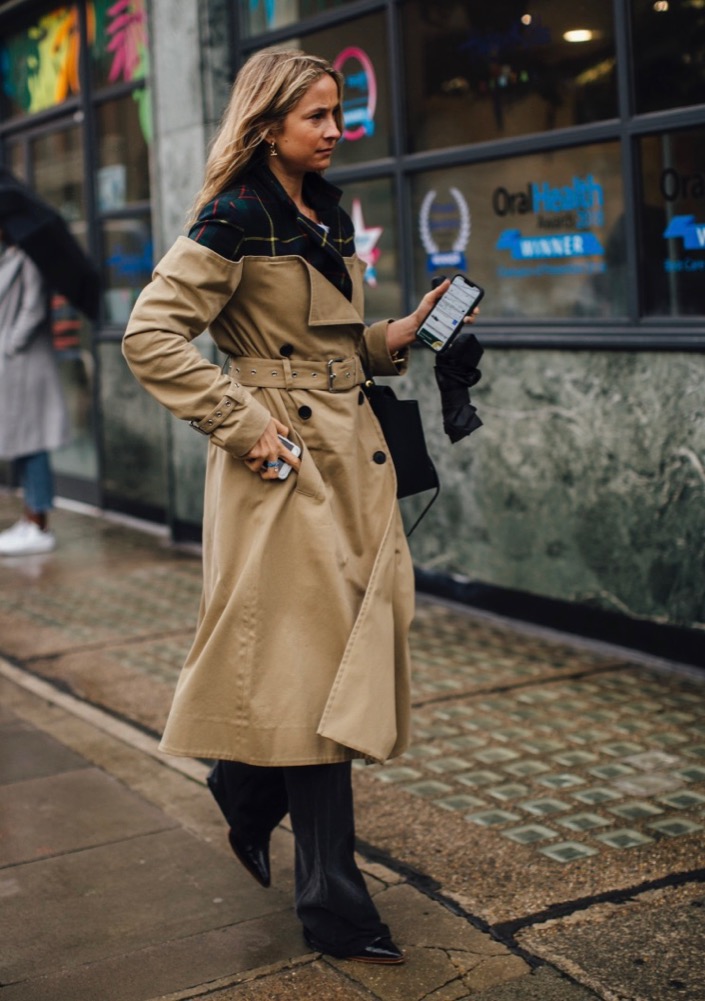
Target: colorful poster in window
point(40, 66)
point(120, 52)
point(120, 44)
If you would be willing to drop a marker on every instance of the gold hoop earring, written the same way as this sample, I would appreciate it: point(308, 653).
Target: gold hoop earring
point(273, 149)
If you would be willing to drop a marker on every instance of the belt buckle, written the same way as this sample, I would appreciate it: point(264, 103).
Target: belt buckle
point(332, 376)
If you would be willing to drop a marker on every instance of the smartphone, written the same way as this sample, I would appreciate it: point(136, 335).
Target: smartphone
point(446, 317)
point(283, 467)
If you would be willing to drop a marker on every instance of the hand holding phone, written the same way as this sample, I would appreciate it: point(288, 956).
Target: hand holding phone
point(447, 316)
point(283, 468)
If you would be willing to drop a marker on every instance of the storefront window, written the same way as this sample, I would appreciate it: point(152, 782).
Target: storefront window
point(672, 222)
point(59, 175)
point(119, 49)
point(265, 15)
point(128, 262)
point(542, 233)
point(123, 156)
point(477, 72)
point(669, 53)
point(371, 205)
point(359, 51)
point(16, 158)
point(58, 178)
point(40, 64)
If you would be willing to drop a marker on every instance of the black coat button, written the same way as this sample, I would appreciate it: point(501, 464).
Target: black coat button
point(305, 413)
point(360, 397)
point(380, 458)
point(286, 350)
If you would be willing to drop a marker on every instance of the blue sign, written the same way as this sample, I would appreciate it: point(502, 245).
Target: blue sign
point(534, 248)
point(685, 227)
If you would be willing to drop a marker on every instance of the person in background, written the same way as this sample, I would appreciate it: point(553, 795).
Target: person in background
point(33, 415)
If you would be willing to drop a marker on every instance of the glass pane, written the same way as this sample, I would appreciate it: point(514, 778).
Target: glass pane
point(120, 45)
point(57, 162)
point(358, 50)
point(371, 205)
point(123, 155)
point(476, 72)
point(672, 217)
point(16, 161)
point(542, 234)
point(264, 15)
point(40, 64)
point(669, 53)
point(134, 436)
point(127, 265)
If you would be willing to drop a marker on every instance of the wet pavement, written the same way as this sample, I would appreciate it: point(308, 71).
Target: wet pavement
point(544, 837)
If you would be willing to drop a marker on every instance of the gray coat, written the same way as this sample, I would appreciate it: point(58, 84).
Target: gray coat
point(33, 414)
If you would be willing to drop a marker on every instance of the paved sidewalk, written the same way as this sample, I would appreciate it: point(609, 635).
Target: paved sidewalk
point(118, 884)
point(543, 840)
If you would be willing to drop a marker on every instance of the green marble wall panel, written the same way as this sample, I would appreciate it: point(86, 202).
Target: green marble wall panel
point(586, 483)
point(134, 434)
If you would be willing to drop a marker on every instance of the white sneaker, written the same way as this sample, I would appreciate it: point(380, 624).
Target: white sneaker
point(25, 539)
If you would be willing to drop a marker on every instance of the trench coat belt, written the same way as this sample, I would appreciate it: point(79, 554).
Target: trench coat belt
point(334, 376)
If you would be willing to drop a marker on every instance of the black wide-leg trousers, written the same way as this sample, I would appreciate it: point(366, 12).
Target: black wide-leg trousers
point(332, 901)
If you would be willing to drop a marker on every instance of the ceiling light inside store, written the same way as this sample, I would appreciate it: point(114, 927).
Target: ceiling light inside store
point(526, 19)
point(579, 35)
point(661, 5)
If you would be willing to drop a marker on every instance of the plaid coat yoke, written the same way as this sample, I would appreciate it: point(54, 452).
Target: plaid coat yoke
point(257, 218)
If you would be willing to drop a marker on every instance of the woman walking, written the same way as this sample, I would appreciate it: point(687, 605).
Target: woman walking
point(33, 415)
point(300, 661)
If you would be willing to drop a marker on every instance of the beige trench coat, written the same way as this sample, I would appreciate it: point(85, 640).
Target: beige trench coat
point(301, 653)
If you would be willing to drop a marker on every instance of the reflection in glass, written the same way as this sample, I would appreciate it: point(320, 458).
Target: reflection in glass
point(541, 233)
point(123, 156)
point(57, 160)
point(134, 438)
point(672, 223)
point(371, 205)
point(669, 53)
point(477, 72)
point(127, 265)
point(58, 175)
point(359, 50)
point(16, 160)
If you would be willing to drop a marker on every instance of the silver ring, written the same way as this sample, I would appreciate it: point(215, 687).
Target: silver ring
point(271, 465)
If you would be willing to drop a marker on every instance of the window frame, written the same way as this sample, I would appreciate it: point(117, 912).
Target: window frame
point(635, 330)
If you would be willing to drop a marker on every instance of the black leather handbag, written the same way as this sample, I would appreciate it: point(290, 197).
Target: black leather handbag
point(401, 425)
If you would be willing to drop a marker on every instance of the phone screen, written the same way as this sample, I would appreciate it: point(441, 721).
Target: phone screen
point(449, 312)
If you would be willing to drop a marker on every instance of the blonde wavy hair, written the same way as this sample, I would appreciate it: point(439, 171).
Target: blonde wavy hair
point(267, 88)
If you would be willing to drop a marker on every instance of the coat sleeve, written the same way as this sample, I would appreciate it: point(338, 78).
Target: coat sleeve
point(376, 356)
point(189, 288)
point(33, 314)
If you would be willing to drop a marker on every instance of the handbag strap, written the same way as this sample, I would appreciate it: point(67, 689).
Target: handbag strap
point(425, 511)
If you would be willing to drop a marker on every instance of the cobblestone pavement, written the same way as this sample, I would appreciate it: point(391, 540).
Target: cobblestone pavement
point(548, 778)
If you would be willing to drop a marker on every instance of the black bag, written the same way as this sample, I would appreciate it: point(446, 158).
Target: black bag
point(401, 425)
